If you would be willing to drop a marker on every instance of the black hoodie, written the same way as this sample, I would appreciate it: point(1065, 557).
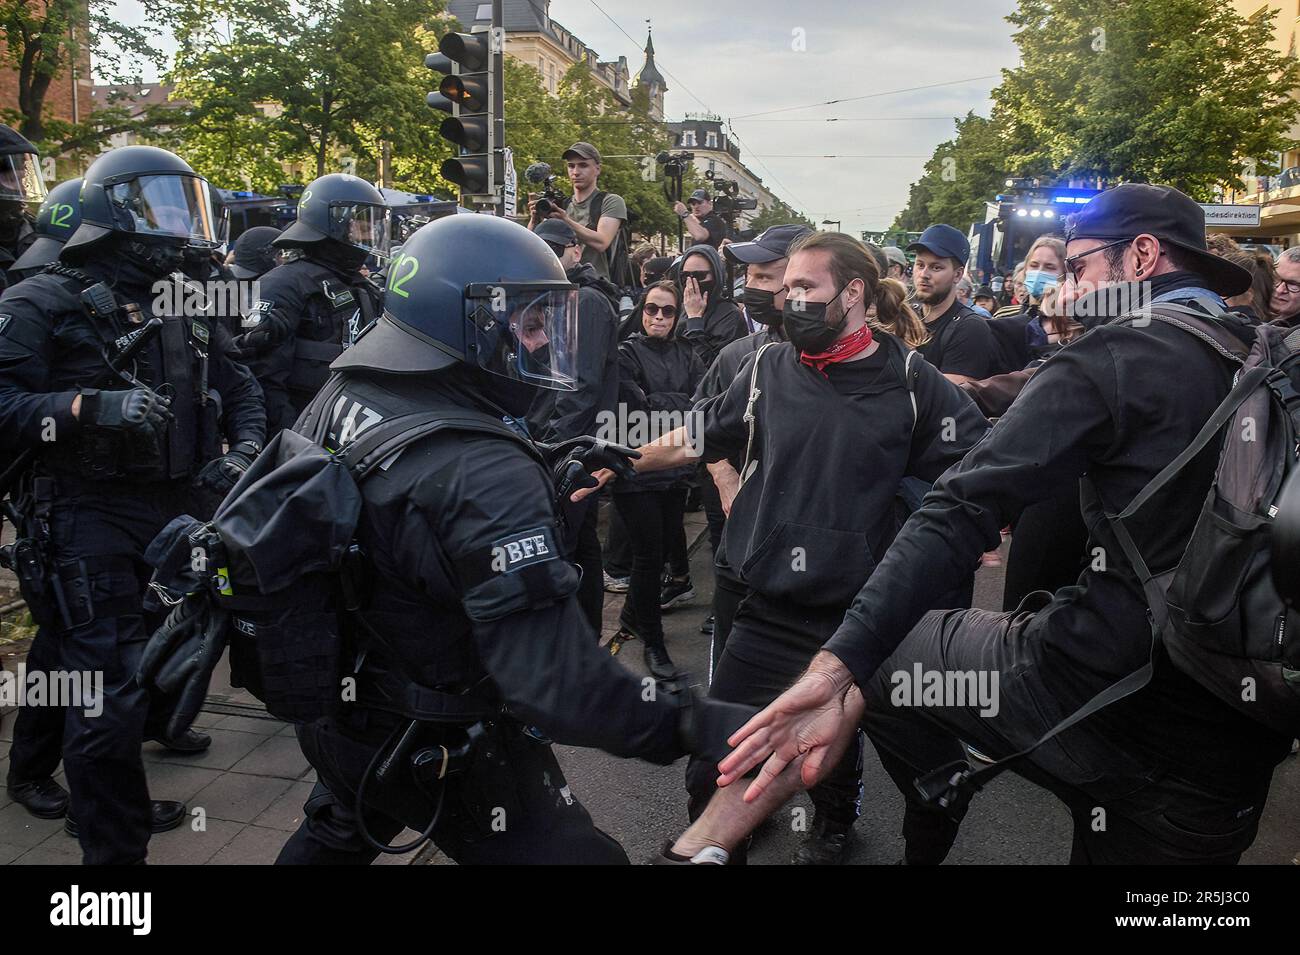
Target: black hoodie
point(722, 322)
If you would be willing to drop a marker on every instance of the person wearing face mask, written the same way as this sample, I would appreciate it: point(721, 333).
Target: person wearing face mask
point(710, 319)
point(1037, 329)
point(764, 260)
point(1183, 774)
point(557, 416)
point(317, 303)
point(21, 188)
point(658, 373)
point(826, 425)
point(114, 458)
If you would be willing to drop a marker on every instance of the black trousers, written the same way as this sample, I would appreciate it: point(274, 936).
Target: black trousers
point(727, 595)
point(524, 814)
point(1149, 814)
point(618, 549)
point(98, 535)
point(652, 519)
point(713, 512)
point(770, 645)
point(37, 748)
point(584, 550)
point(1049, 547)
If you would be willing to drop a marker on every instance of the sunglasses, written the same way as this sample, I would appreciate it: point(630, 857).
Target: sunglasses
point(669, 311)
point(698, 276)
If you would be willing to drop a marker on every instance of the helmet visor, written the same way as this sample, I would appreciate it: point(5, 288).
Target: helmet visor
point(361, 225)
point(529, 334)
point(175, 206)
point(20, 178)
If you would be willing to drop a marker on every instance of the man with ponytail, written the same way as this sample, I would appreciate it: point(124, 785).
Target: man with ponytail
point(840, 413)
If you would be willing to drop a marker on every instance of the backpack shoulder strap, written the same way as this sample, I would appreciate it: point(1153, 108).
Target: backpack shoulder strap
point(1194, 323)
point(754, 391)
point(385, 439)
point(597, 207)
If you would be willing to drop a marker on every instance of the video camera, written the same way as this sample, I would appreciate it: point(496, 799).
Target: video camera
point(675, 164)
point(727, 200)
point(552, 198)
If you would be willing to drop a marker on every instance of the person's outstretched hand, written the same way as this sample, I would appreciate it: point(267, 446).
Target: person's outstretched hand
point(814, 719)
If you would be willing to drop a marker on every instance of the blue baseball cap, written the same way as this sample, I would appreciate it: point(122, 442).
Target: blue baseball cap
point(942, 240)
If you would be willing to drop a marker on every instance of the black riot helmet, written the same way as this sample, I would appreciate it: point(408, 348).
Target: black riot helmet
point(344, 209)
point(58, 217)
point(480, 291)
point(20, 170)
point(147, 193)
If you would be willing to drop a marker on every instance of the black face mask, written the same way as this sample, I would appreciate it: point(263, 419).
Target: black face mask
point(806, 326)
point(759, 305)
point(156, 259)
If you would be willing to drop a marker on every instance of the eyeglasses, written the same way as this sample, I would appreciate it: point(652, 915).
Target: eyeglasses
point(1292, 287)
point(1072, 259)
point(653, 310)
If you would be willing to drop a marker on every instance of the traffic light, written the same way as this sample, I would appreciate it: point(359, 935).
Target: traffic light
point(471, 91)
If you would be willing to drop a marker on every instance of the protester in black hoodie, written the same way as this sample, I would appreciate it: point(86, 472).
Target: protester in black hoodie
point(710, 320)
point(560, 415)
point(658, 373)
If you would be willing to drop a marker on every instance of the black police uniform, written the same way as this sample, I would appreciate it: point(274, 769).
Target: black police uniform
point(94, 501)
point(19, 238)
point(316, 310)
point(431, 523)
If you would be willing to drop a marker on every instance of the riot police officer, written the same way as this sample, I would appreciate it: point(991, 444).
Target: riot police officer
point(313, 307)
point(114, 449)
point(470, 596)
point(20, 185)
point(56, 220)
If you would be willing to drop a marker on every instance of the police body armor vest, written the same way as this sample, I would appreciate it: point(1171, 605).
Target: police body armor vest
point(176, 365)
point(323, 334)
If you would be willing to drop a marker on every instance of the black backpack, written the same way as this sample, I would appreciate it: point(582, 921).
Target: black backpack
point(620, 262)
point(291, 576)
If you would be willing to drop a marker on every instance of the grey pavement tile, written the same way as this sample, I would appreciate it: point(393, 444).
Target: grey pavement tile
point(406, 858)
point(10, 852)
point(228, 747)
point(249, 724)
point(276, 756)
point(239, 797)
point(178, 781)
point(252, 846)
point(62, 851)
point(18, 827)
point(184, 846)
point(286, 812)
point(208, 719)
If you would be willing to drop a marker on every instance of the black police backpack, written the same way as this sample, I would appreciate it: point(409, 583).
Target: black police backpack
point(292, 577)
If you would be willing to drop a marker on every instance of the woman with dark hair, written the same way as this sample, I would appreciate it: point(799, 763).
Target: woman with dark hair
point(658, 373)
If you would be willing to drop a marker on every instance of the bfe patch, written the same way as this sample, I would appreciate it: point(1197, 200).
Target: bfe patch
point(523, 549)
point(253, 317)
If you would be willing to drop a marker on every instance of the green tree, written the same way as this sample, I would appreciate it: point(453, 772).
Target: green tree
point(1183, 92)
point(43, 40)
point(778, 213)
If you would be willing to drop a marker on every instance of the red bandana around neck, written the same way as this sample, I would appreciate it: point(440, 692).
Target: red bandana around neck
point(842, 350)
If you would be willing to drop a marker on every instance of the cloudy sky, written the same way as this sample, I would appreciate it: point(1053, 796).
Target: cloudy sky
point(741, 57)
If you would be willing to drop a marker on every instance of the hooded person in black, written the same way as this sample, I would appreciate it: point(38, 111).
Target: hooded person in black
point(658, 373)
point(710, 319)
point(557, 416)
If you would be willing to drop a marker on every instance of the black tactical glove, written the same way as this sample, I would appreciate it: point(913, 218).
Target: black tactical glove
point(180, 657)
point(221, 474)
point(138, 409)
point(259, 339)
point(704, 725)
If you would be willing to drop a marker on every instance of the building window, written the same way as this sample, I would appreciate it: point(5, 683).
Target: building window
point(711, 140)
point(688, 137)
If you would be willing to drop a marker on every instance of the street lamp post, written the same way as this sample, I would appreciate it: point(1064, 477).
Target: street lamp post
point(834, 222)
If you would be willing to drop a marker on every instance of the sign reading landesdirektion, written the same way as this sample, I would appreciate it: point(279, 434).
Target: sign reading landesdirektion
point(1220, 214)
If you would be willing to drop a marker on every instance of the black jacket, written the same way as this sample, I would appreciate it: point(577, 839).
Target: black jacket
point(49, 348)
point(432, 524)
point(317, 310)
point(722, 322)
point(10, 250)
point(558, 415)
point(1118, 403)
point(727, 365)
point(656, 379)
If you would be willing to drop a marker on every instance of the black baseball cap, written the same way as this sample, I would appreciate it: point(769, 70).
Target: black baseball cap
point(984, 292)
point(769, 245)
point(699, 195)
point(942, 240)
point(557, 232)
point(1135, 209)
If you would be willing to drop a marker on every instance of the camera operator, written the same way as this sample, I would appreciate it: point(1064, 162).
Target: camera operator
point(596, 224)
point(704, 225)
